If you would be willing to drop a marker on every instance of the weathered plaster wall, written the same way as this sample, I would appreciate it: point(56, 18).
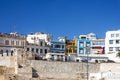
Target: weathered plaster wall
point(68, 70)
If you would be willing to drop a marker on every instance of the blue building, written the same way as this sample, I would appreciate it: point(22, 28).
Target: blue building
point(57, 47)
point(83, 47)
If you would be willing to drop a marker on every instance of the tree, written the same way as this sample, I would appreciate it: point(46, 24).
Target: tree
point(118, 54)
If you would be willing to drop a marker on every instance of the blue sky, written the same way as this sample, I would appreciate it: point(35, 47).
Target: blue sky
point(60, 17)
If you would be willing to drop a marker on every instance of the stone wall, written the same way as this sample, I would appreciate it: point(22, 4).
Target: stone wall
point(110, 67)
point(6, 59)
point(12, 62)
point(7, 73)
point(62, 70)
point(22, 66)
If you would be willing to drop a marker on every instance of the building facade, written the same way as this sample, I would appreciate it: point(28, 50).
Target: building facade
point(39, 51)
point(37, 43)
point(11, 42)
point(98, 46)
point(84, 44)
point(71, 47)
point(57, 50)
point(57, 47)
point(33, 38)
point(112, 44)
point(83, 47)
point(89, 45)
point(112, 41)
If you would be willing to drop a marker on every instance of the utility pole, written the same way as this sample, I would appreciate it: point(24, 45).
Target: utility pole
point(87, 63)
point(87, 67)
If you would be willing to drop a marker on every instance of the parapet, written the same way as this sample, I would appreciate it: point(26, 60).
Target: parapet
point(10, 54)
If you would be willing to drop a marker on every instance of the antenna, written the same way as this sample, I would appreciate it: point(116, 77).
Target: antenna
point(12, 28)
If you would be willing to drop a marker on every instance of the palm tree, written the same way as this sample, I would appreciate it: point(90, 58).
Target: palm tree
point(118, 54)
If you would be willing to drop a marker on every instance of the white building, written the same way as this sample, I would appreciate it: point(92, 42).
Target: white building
point(90, 36)
point(33, 38)
point(93, 46)
point(39, 50)
point(11, 42)
point(98, 46)
point(112, 44)
point(38, 43)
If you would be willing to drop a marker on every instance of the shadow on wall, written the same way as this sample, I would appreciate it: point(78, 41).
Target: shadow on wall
point(34, 73)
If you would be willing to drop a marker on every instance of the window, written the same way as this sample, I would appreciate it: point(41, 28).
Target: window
point(87, 44)
point(1, 52)
point(36, 50)
point(112, 35)
point(75, 51)
point(32, 38)
point(57, 46)
point(117, 35)
point(81, 44)
point(41, 50)
point(81, 51)
point(70, 50)
point(6, 42)
point(117, 48)
point(117, 41)
point(32, 49)
point(45, 51)
point(7, 52)
point(110, 48)
point(28, 49)
point(12, 53)
point(22, 43)
point(17, 43)
point(12, 43)
point(41, 43)
point(110, 41)
point(51, 45)
point(62, 46)
point(88, 50)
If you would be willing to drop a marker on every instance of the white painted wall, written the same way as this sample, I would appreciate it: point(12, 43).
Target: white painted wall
point(46, 37)
point(112, 35)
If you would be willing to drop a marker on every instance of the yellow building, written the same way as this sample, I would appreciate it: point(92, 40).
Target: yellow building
point(71, 46)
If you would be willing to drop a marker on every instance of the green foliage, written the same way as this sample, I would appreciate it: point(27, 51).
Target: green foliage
point(118, 54)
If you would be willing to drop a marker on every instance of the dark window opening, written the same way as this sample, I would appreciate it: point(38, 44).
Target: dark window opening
point(32, 49)
point(45, 51)
point(36, 50)
point(41, 51)
point(28, 49)
point(12, 53)
point(7, 52)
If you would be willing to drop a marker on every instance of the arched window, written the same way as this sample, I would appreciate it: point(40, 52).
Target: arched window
point(41, 43)
point(45, 51)
point(12, 53)
point(7, 52)
point(1, 52)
